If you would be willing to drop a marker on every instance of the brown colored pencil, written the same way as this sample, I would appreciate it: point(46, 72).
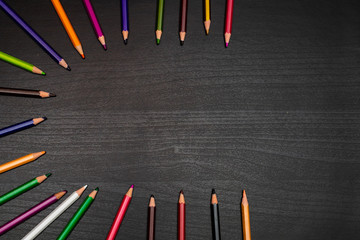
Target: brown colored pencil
point(25, 92)
point(20, 161)
point(151, 218)
point(181, 216)
point(183, 21)
point(245, 214)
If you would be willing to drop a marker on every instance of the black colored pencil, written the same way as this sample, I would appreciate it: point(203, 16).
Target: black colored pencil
point(215, 219)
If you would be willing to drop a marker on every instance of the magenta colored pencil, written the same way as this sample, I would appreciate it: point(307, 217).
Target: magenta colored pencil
point(94, 22)
point(31, 212)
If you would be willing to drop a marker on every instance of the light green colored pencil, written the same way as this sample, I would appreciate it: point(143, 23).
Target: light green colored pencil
point(78, 215)
point(20, 63)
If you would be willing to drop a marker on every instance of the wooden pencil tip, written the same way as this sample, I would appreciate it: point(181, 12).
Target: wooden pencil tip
point(244, 198)
point(152, 201)
point(38, 154)
point(60, 194)
point(181, 191)
point(36, 121)
point(81, 190)
point(93, 193)
point(48, 175)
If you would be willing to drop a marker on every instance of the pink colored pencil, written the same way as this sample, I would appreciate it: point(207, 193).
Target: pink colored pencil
point(31, 212)
point(95, 22)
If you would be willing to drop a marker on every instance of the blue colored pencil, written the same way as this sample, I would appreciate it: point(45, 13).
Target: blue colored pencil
point(21, 126)
point(125, 20)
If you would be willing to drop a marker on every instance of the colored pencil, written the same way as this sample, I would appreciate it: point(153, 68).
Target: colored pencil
point(25, 92)
point(68, 27)
point(23, 188)
point(54, 214)
point(21, 126)
point(183, 21)
point(228, 21)
point(20, 63)
point(245, 216)
point(125, 20)
point(159, 20)
point(207, 19)
point(35, 36)
point(215, 216)
point(78, 215)
point(31, 212)
point(20, 161)
point(94, 22)
point(151, 218)
point(120, 214)
point(181, 216)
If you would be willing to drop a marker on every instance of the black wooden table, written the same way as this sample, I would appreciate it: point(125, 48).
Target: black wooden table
point(277, 114)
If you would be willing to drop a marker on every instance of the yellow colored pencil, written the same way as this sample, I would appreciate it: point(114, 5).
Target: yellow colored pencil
point(207, 20)
point(68, 27)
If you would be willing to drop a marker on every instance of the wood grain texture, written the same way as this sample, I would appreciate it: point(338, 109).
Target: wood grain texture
point(277, 114)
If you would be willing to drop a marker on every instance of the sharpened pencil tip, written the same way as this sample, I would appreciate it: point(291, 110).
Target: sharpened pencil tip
point(152, 196)
point(132, 186)
point(213, 191)
point(105, 48)
point(125, 41)
point(68, 68)
point(157, 41)
point(45, 118)
point(83, 56)
point(226, 44)
point(181, 191)
point(48, 175)
point(181, 43)
point(96, 189)
point(42, 73)
point(52, 95)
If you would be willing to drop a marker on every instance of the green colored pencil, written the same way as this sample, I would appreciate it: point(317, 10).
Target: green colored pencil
point(23, 188)
point(20, 63)
point(159, 20)
point(78, 215)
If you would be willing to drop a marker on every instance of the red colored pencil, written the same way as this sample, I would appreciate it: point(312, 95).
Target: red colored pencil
point(228, 21)
point(181, 216)
point(120, 214)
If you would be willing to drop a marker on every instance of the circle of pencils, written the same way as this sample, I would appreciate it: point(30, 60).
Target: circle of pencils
point(21, 126)
point(23, 188)
point(26, 92)
point(125, 20)
point(54, 214)
point(207, 20)
point(181, 216)
point(228, 21)
point(68, 27)
point(215, 216)
point(20, 63)
point(120, 214)
point(31, 212)
point(245, 217)
point(159, 20)
point(78, 215)
point(35, 36)
point(20, 161)
point(183, 21)
point(94, 22)
point(151, 218)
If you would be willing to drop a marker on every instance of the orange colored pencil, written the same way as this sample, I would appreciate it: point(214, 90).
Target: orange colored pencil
point(20, 161)
point(68, 27)
point(245, 215)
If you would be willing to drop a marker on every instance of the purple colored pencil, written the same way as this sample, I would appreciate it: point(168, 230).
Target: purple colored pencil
point(31, 212)
point(95, 22)
point(35, 36)
point(125, 20)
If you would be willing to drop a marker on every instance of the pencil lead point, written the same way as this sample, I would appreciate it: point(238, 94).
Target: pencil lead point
point(68, 68)
point(181, 43)
point(132, 186)
point(157, 41)
point(226, 44)
point(96, 189)
point(83, 56)
point(213, 191)
point(42, 73)
point(152, 196)
point(52, 95)
point(48, 175)
point(45, 118)
point(181, 191)
point(105, 48)
point(125, 41)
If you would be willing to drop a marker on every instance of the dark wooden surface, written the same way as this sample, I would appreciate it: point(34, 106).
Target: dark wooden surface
point(277, 114)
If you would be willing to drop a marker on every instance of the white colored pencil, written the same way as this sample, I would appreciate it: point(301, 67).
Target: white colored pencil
point(54, 214)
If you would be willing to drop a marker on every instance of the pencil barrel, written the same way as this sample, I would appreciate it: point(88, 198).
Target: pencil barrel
point(183, 19)
point(18, 191)
point(151, 223)
point(160, 15)
point(215, 220)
